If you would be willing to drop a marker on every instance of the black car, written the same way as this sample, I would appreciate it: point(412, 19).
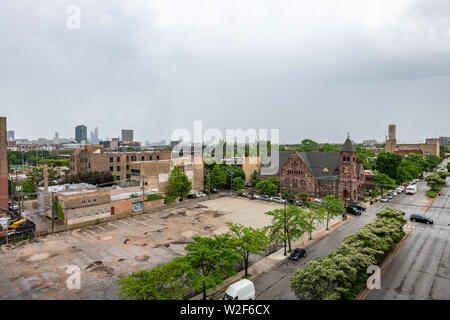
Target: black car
point(191, 196)
point(420, 218)
point(300, 203)
point(357, 206)
point(353, 210)
point(297, 254)
point(242, 194)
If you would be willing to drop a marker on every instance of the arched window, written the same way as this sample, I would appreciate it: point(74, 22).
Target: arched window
point(295, 183)
point(287, 182)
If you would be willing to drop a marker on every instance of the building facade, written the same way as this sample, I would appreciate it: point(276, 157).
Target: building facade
point(81, 133)
point(430, 147)
point(3, 165)
point(94, 158)
point(127, 136)
point(155, 174)
point(322, 173)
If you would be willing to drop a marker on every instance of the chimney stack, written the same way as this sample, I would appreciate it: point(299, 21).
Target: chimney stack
point(3, 165)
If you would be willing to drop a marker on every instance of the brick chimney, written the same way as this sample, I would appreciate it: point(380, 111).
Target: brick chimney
point(3, 165)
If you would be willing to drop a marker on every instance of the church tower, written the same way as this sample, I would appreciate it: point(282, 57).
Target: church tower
point(348, 176)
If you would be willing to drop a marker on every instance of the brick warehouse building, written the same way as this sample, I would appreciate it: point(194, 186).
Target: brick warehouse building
point(94, 158)
point(322, 173)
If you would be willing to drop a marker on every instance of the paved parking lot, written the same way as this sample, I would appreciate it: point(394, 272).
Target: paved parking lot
point(106, 252)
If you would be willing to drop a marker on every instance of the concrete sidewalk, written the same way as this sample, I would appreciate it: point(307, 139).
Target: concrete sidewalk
point(271, 261)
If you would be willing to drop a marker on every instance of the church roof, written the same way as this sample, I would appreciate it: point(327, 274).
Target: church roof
point(348, 146)
point(317, 161)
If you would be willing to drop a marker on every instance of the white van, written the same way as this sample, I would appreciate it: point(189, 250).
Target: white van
point(411, 189)
point(241, 290)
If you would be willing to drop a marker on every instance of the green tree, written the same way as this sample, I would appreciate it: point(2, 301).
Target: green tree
point(288, 224)
point(435, 181)
point(267, 187)
point(164, 282)
point(303, 196)
point(218, 177)
point(332, 206)
point(255, 178)
point(238, 184)
point(383, 181)
point(179, 184)
point(388, 163)
point(326, 147)
point(212, 260)
point(315, 214)
point(308, 145)
point(247, 240)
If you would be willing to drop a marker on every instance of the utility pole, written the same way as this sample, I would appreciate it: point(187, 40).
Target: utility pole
point(53, 212)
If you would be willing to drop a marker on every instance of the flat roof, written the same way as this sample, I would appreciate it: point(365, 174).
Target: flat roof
point(126, 195)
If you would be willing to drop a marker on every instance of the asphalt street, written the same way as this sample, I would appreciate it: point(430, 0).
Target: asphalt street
point(275, 285)
point(421, 270)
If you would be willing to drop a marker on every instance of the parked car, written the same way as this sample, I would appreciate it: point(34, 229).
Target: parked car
point(384, 199)
point(242, 194)
point(214, 190)
point(278, 199)
point(394, 193)
point(256, 196)
point(420, 218)
point(389, 195)
point(265, 197)
point(399, 190)
point(300, 203)
point(357, 206)
point(352, 210)
point(191, 196)
point(297, 254)
point(242, 290)
point(411, 189)
point(200, 194)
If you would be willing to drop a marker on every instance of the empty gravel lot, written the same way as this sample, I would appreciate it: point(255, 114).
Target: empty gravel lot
point(106, 252)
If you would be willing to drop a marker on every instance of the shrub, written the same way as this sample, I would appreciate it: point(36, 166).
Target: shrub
point(152, 197)
point(170, 199)
point(431, 193)
point(342, 273)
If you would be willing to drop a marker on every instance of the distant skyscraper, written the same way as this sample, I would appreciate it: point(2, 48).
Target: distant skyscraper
point(10, 135)
point(56, 139)
point(94, 136)
point(127, 136)
point(80, 133)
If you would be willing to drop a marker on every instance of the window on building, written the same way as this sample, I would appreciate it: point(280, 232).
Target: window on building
point(100, 211)
point(151, 158)
point(111, 159)
point(83, 201)
point(84, 214)
point(181, 169)
point(74, 215)
point(95, 200)
point(118, 168)
point(118, 159)
point(128, 158)
point(128, 167)
point(142, 158)
point(157, 157)
point(92, 212)
point(111, 169)
point(89, 201)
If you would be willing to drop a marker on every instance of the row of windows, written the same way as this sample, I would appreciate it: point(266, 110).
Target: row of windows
point(88, 201)
point(118, 168)
point(297, 172)
point(92, 213)
point(347, 159)
point(134, 158)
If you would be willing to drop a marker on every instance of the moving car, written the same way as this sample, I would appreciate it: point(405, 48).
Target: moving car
point(420, 218)
point(242, 290)
point(297, 254)
point(357, 206)
point(352, 210)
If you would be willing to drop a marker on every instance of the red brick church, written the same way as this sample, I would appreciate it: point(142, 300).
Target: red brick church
point(322, 173)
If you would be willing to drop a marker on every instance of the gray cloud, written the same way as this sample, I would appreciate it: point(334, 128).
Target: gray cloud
point(315, 69)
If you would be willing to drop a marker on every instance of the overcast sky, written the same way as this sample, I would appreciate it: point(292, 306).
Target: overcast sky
point(314, 69)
